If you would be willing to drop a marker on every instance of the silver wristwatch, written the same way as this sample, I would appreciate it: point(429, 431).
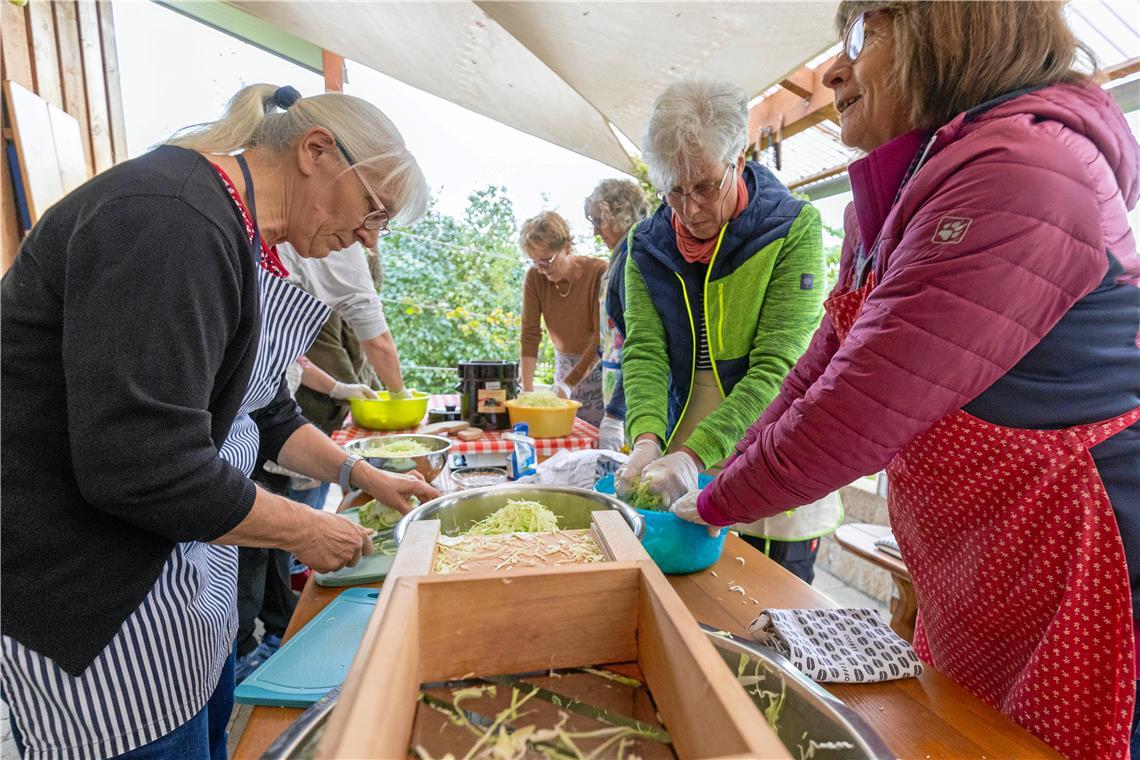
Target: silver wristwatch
point(346, 472)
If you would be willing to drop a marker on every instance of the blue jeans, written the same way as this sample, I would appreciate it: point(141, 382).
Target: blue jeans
point(314, 497)
point(203, 736)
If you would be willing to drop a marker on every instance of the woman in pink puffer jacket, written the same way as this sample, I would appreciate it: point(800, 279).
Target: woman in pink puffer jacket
point(982, 346)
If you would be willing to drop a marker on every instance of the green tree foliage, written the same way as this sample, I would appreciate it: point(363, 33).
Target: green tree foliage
point(452, 290)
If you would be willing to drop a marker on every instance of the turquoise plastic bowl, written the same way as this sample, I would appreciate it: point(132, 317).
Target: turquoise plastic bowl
point(677, 546)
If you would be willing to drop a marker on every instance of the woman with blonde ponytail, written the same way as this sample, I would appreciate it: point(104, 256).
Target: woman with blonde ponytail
point(147, 325)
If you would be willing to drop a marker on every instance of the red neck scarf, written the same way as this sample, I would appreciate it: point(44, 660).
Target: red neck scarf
point(696, 250)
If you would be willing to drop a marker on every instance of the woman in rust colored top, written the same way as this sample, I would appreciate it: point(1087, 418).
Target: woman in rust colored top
point(561, 289)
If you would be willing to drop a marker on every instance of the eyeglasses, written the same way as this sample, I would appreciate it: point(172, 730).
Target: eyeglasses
point(855, 37)
point(374, 221)
point(545, 263)
point(706, 192)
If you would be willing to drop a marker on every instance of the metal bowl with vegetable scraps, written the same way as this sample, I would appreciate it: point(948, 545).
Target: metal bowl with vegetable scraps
point(426, 454)
point(458, 512)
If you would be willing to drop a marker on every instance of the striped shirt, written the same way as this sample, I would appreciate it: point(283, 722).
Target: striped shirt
point(165, 660)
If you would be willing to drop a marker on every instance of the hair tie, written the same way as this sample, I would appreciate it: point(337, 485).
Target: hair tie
point(285, 97)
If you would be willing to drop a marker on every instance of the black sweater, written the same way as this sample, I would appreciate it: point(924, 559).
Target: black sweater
point(129, 325)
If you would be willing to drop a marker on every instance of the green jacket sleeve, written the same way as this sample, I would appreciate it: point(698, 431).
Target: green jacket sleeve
point(644, 366)
point(789, 316)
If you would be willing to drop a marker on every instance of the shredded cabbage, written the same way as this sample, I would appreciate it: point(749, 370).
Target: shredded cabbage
point(642, 498)
point(378, 517)
point(518, 516)
point(540, 400)
point(401, 447)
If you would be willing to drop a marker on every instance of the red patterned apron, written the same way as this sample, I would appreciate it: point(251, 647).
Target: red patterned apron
point(1019, 569)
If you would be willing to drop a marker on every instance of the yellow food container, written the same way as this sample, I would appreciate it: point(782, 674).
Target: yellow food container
point(544, 421)
point(387, 413)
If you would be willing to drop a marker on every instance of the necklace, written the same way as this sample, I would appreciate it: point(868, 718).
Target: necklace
point(569, 287)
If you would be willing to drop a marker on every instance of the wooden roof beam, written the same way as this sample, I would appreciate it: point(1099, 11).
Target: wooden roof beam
point(790, 111)
point(1122, 69)
point(800, 82)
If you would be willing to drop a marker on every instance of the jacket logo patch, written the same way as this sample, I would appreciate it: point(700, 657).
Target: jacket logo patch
point(951, 229)
point(807, 281)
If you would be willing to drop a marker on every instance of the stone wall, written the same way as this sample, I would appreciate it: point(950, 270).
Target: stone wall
point(860, 505)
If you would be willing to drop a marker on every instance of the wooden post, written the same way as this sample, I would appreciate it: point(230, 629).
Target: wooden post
point(116, 117)
point(71, 71)
point(333, 65)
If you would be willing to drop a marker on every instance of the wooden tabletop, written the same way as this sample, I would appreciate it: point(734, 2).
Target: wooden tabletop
point(860, 538)
point(922, 717)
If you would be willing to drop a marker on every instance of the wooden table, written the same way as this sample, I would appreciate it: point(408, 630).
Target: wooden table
point(859, 539)
point(922, 717)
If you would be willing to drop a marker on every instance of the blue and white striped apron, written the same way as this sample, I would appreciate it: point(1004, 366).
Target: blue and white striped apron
point(165, 660)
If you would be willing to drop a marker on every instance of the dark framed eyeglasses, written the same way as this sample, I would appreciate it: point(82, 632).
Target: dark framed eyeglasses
point(377, 219)
point(706, 192)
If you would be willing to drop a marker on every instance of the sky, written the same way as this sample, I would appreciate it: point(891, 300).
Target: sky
point(176, 72)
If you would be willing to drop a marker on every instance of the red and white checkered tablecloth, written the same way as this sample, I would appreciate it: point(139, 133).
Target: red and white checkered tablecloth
point(582, 436)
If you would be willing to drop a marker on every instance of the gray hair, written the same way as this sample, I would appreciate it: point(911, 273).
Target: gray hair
point(694, 121)
point(252, 119)
point(618, 202)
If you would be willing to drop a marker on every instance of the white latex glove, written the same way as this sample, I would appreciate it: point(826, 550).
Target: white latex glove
point(686, 508)
point(611, 433)
point(671, 476)
point(403, 393)
point(562, 390)
point(344, 391)
point(644, 451)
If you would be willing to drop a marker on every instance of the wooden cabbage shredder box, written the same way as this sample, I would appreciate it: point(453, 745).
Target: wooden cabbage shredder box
point(431, 628)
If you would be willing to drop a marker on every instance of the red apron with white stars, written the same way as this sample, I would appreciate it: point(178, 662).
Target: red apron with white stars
point(1019, 569)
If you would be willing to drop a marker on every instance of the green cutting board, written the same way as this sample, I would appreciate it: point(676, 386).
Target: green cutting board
point(368, 570)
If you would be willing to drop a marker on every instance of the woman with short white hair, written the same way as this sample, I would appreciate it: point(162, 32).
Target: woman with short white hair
point(613, 208)
point(724, 287)
point(147, 326)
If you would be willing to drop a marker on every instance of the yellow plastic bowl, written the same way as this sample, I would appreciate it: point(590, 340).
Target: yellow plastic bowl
point(386, 413)
point(545, 422)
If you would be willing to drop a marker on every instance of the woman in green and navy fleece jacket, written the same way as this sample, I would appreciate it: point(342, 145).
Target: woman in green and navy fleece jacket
point(724, 288)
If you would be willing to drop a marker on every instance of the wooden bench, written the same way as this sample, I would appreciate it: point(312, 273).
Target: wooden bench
point(859, 538)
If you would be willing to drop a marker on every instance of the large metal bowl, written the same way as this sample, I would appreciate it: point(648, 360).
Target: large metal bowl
point(807, 709)
point(429, 465)
point(459, 511)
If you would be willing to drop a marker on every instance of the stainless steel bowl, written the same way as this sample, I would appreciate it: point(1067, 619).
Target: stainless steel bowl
point(459, 511)
point(807, 709)
point(429, 465)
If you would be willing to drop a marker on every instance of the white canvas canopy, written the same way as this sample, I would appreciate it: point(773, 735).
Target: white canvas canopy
point(562, 71)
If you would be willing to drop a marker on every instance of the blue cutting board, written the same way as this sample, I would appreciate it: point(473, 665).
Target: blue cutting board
point(369, 569)
point(316, 659)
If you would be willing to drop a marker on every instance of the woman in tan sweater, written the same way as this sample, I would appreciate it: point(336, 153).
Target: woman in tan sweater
point(561, 289)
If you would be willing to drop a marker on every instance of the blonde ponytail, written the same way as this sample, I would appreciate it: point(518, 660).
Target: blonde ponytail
point(253, 119)
point(235, 130)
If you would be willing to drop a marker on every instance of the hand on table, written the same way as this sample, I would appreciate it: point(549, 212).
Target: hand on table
point(332, 542)
point(644, 452)
point(686, 508)
point(344, 391)
point(611, 433)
